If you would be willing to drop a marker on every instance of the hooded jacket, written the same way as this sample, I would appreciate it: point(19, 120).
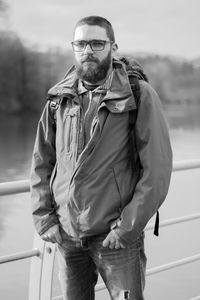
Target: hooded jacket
point(121, 177)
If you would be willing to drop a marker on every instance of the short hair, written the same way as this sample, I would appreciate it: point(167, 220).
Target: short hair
point(98, 21)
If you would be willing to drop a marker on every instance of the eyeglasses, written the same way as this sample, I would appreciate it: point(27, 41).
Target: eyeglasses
point(95, 45)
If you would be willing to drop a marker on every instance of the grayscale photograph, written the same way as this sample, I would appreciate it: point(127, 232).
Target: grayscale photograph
point(99, 150)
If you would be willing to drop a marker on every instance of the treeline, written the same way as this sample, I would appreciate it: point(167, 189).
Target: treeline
point(26, 74)
point(176, 80)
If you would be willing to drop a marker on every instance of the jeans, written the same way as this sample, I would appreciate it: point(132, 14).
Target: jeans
point(122, 270)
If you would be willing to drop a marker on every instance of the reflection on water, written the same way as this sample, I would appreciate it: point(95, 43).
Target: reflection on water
point(185, 117)
point(17, 137)
point(184, 124)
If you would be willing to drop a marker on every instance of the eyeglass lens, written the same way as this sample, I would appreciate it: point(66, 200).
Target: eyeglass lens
point(96, 45)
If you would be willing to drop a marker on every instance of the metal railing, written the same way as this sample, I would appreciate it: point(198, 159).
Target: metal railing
point(19, 256)
point(43, 255)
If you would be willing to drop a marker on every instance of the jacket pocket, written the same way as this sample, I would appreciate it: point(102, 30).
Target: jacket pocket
point(126, 180)
point(117, 189)
point(71, 130)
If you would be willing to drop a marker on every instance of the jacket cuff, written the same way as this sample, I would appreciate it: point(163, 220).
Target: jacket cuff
point(126, 236)
point(43, 225)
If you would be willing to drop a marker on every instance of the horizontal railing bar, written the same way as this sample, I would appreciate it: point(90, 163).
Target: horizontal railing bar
point(186, 165)
point(23, 186)
point(173, 265)
point(14, 187)
point(195, 298)
point(19, 256)
point(161, 268)
point(175, 221)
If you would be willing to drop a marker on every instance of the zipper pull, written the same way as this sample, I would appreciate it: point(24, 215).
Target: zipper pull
point(90, 95)
point(126, 295)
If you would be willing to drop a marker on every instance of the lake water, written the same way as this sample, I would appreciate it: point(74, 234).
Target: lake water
point(175, 242)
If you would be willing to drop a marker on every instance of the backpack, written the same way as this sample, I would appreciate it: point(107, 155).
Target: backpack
point(135, 74)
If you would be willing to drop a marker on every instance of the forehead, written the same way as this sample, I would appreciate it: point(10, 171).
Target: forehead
point(90, 32)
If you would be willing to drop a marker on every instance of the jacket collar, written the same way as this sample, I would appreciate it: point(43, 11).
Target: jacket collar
point(118, 95)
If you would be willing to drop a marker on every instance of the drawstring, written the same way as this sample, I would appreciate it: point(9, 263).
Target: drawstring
point(156, 227)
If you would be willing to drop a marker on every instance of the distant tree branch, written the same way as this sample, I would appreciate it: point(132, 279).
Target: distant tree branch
point(4, 7)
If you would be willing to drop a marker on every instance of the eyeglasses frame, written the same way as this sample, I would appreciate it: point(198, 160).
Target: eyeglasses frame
point(89, 43)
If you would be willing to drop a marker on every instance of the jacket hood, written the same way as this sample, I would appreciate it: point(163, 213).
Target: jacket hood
point(119, 89)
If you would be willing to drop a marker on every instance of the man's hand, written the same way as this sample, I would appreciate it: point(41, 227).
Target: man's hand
point(52, 235)
point(112, 241)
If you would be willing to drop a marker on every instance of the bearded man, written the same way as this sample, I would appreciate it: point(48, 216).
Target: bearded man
point(95, 183)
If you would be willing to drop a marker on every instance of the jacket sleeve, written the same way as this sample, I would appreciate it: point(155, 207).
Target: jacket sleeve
point(155, 155)
point(43, 162)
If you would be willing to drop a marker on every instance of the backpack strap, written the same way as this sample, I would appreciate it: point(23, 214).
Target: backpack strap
point(156, 226)
point(135, 87)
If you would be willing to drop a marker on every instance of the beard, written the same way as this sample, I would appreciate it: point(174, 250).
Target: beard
point(92, 70)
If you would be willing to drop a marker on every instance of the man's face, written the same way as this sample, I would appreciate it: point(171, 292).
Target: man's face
point(92, 66)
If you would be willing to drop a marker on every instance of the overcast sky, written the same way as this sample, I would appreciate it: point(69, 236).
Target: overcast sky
point(166, 27)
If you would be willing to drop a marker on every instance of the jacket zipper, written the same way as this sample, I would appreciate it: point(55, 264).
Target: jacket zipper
point(94, 138)
point(88, 150)
point(77, 138)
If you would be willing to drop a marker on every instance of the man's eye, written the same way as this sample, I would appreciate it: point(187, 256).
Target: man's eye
point(97, 43)
point(80, 44)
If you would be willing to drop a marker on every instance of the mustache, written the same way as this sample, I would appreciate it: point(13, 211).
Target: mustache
point(90, 58)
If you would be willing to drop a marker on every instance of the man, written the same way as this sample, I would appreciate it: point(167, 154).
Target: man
point(95, 183)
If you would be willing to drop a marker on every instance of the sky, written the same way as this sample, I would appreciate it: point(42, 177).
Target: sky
point(164, 27)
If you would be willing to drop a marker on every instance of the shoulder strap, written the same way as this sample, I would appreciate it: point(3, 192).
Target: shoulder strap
point(135, 87)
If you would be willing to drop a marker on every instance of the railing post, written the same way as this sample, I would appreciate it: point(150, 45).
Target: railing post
point(47, 271)
point(36, 270)
point(41, 271)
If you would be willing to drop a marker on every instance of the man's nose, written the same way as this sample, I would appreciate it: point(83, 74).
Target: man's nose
point(88, 49)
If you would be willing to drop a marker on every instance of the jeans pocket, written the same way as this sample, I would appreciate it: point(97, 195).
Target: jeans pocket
point(65, 239)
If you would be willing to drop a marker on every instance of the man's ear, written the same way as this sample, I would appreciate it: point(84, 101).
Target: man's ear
point(114, 49)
